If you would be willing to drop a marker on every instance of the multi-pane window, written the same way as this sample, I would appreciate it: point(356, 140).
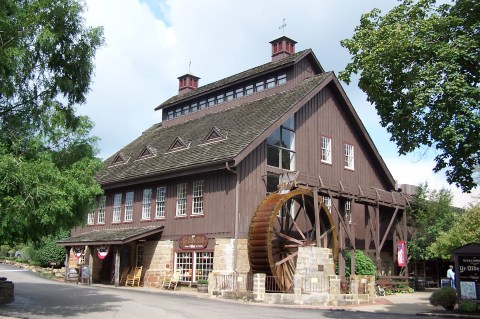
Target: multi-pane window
point(249, 89)
point(146, 203)
point(270, 83)
point(211, 102)
point(193, 266)
point(202, 104)
point(117, 208)
point(282, 79)
point(186, 110)
point(181, 207)
point(259, 86)
point(326, 150)
point(197, 198)
point(348, 211)
point(349, 158)
point(101, 209)
point(129, 206)
point(229, 96)
point(91, 217)
point(220, 98)
point(239, 93)
point(178, 112)
point(328, 202)
point(170, 115)
point(272, 182)
point(194, 107)
point(281, 146)
point(160, 202)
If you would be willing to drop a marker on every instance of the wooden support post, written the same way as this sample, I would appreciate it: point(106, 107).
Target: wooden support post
point(317, 217)
point(117, 266)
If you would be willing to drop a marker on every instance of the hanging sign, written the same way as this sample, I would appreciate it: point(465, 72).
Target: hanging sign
point(78, 251)
point(102, 251)
point(401, 255)
point(193, 242)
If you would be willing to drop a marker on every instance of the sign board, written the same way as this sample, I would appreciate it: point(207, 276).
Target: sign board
point(193, 242)
point(469, 276)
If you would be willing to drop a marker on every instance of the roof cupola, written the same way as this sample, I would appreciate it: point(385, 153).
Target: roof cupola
point(282, 47)
point(187, 83)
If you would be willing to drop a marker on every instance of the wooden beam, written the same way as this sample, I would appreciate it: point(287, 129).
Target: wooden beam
point(388, 228)
point(317, 217)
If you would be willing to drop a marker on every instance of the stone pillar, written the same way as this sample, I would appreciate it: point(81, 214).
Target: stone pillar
point(259, 287)
point(158, 257)
point(334, 289)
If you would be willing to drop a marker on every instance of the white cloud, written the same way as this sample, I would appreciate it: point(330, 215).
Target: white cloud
point(150, 43)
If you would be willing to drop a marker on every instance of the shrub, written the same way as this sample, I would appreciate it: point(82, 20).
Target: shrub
point(202, 282)
point(48, 250)
point(467, 306)
point(445, 297)
point(364, 265)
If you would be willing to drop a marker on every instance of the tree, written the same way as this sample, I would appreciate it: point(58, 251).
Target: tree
point(430, 214)
point(47, 158)
point(463, 230)
point(419, 66)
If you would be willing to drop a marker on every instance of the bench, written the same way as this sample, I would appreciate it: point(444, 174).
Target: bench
point(393, 282)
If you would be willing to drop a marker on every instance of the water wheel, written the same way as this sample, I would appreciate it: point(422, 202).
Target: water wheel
point(281, 224)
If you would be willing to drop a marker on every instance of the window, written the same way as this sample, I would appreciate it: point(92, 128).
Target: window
point(347, 207)
point(229, 96)
point(326, 150)
point(349, 158)
point(193, 107)
point(249, 89)
point(91, 217)
point(272, 183)
point(328, 202)
point(270, 83)
point(220, 99)
point(186, 110)
point(197, 198)
point(281, 79)
point(194, 265)
point(160, 202)
point(128, 206)
point(101, 209)
point(281, 147)
point(202, 104)
point(211, 102)
point(181, 209)
point(178, 112)
point(117, 208)
point(239, 93)
point(170, 115)
point(146, 203)
point(259, 86)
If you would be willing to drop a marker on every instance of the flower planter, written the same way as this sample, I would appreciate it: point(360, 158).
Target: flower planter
point(202, 288)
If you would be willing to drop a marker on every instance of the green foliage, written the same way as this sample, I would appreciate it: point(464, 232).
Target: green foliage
point(445, 297)
point(364, 265)
point(47, 158)
point(48, 250)
point(467, 306)
point(202, 282)
point(430, 214)
point(465, 229)
point(419, 66)
point(27, 253)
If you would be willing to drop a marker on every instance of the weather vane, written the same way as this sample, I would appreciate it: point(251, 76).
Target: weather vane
point(283, 26)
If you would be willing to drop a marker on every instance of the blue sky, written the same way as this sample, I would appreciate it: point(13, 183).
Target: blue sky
point(150, 43)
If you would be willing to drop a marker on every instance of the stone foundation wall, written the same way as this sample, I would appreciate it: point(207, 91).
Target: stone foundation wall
point(158, 261)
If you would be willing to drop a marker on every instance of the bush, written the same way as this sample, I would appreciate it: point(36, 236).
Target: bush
point(445, 297)
point(48, 251)
point(467, 306)
point(202, 282)
point(364, 265)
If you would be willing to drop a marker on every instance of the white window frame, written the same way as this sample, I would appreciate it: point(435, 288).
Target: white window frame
point(197, 197)
point(147, 204)
point(348, 211)
point(328, 203)
point(181, 205)
point(117, 208)
point(160, 202)
point(101, 209)
point(349, 156)
point(326, 146)
point(129, 196)
point(91, 217)
point(198, 265)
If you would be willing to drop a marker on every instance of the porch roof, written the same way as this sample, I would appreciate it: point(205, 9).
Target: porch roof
point(117, 236)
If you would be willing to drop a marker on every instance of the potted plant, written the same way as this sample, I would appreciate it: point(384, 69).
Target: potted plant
point(202, 285)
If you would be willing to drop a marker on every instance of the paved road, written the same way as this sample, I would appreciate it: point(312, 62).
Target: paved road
point(36, 297)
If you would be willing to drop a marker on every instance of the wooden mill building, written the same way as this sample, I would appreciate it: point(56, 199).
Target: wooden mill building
point(183, 195)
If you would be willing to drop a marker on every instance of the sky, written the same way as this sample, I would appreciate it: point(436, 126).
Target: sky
point(150, 43)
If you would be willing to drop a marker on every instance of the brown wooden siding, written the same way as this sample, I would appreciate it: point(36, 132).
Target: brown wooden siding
point(219, 207)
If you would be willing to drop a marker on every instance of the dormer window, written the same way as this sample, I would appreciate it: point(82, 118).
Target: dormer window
point(214, 135)
point(177, 145)
point(147, 152)
point(120, 159)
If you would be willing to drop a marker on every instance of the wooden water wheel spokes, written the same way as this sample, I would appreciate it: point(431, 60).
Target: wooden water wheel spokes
point(282, 223)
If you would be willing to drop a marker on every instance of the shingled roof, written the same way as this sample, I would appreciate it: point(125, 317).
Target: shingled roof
point(240, 125)
point(241, 76)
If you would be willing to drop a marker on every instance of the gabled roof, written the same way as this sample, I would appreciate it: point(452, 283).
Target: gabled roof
point(265, 68)
point(243, 125)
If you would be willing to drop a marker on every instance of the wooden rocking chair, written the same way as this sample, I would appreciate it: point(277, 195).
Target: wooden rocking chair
point(172, 281)
point(134, 278)
point(123, 276)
